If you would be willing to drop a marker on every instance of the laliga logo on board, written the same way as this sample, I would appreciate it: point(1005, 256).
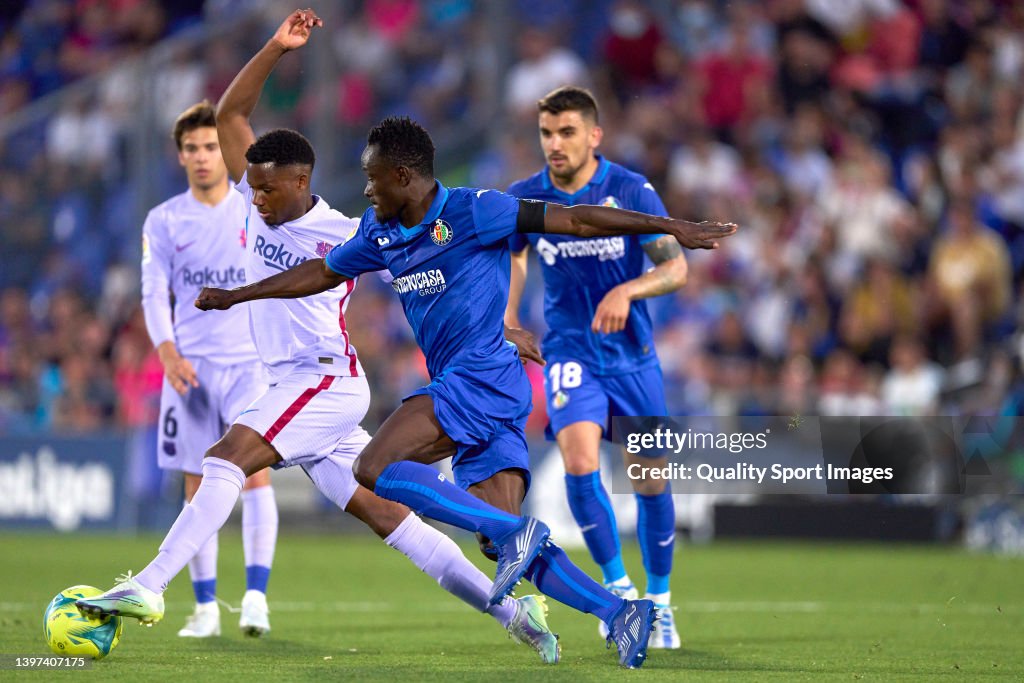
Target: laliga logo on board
point(441, 233)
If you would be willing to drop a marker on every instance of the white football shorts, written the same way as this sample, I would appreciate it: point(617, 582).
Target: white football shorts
point(313, 421)
point(190, 424)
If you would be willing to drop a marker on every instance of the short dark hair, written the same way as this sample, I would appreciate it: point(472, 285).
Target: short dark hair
point(400, 141)
point(281, 147)
point(199, 115)
point(569, 98)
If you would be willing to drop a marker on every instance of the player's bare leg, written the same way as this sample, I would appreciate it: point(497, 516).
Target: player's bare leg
point(505, 491)
point(228, 462)
point(411, 433)
point(393, 465)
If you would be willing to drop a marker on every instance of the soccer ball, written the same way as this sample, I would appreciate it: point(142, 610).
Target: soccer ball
point(70, 633)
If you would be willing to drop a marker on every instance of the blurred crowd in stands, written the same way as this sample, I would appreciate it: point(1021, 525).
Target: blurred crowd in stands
point(872, 152)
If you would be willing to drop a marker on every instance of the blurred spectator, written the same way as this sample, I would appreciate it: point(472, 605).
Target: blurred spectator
point(881, 306)
point(703, 167)
point(733, 82)
point(847, 387)
point(971, 84)
point(633, 48)
point(970, 274)
point(912, 385)
point(542, 67)
point(861, 206)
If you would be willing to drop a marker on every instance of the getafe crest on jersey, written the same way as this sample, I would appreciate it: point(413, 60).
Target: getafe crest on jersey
point(441, 233)
point(611, 201)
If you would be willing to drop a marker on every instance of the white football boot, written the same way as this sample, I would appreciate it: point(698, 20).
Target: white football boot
point(128, 598)
point(203, 623)
point(664, 636)
point(255, 619)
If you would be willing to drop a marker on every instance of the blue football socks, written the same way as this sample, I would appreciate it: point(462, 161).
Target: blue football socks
point(655, 529)
point(593, 512)
point(256, 578)
point(428, 493)
point(554, 574)
point(205, 591)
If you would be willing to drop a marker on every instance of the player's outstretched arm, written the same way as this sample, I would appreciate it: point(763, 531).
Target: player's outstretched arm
point(668, 275)
point(239, 100)
point(584, 220)
point(305, 279)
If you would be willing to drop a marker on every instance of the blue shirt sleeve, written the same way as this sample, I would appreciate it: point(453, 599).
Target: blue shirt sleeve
point(494, 215)
point(517, 242)
point(356, 256)
point(646, 200)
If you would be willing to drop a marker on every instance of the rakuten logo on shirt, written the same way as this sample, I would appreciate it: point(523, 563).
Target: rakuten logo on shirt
point(425, 282)
point(275, 255)
point(208, 277)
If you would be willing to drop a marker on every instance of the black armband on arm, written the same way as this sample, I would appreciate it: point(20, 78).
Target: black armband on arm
point(531, 215)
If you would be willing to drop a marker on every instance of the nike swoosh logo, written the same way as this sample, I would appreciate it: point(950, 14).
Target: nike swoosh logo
point(480, 192)
point(588, 527)
point(383, 241)
point(251, 410)
point(667, 541)
point(182, 247)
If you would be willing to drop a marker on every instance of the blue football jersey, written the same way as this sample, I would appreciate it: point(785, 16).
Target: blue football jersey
point(451, 272)
point(578, 272)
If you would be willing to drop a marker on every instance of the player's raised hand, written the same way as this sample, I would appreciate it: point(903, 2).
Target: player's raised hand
point(211, 298)
point(294, 32)
point(703, 235)
point(179, 370)
point(526, 343)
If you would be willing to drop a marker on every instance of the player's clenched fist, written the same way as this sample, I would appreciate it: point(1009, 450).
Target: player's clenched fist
point(701, 235)
point(212, 298)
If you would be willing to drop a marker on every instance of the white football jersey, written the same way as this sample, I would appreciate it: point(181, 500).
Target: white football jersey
point(187, 245)
point(308, 334)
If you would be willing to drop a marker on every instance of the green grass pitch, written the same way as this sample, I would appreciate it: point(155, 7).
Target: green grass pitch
point(347, 607)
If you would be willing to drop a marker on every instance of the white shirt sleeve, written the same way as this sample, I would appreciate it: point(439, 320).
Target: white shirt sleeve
point(157, 268)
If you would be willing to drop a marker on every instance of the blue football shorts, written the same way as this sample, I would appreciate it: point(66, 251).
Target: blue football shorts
point(574, 394)
point(484, 412)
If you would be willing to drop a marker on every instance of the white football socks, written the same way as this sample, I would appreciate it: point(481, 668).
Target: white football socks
point(198, 521)
point(438, 556)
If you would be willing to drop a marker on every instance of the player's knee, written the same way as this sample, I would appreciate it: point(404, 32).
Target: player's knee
point(578, 463)
point(364, 472)
point(223, 451)
point(236, 452)
point(649, 487)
